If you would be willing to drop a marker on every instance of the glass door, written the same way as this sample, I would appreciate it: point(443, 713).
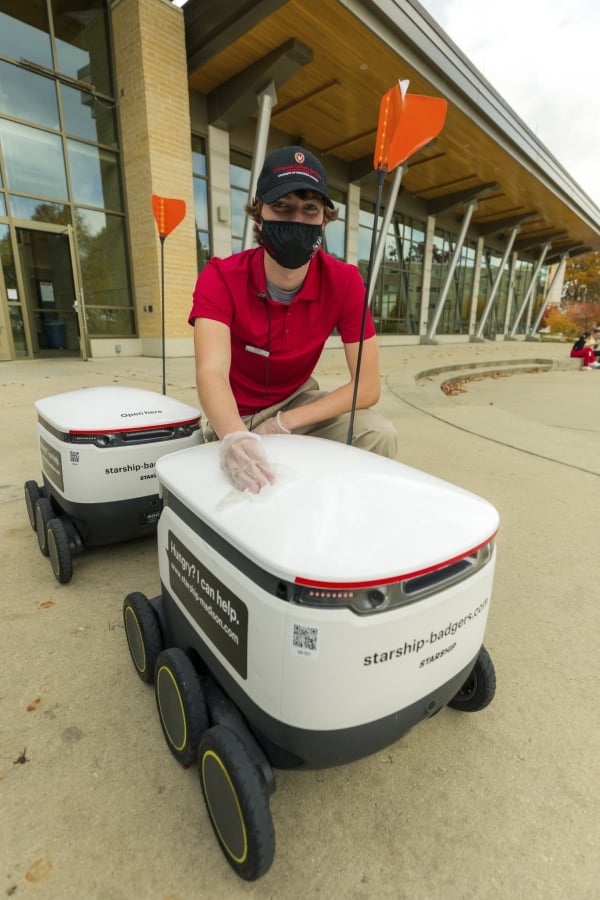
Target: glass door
point(50, 287)
point(4, 340)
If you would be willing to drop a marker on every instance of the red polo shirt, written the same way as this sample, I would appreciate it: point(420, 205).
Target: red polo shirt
point(291, 338)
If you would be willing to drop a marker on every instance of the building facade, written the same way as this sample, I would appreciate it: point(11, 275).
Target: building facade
point(104, 104)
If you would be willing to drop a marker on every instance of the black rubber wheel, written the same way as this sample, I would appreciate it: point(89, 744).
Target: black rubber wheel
point(59, 550)
point(478, 690)
point(237, 802)
point(43, 515)
point(32, 493)
point(181, 704)
point(144, 635)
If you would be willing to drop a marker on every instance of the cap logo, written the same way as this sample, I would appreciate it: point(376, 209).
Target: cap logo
point(299, 157)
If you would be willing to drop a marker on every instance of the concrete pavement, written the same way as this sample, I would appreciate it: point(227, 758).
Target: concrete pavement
point(499, 804)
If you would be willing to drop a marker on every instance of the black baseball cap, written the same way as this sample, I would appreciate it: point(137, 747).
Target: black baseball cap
point(291, 169)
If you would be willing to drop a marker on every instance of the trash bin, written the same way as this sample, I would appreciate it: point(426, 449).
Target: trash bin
point(56, 335)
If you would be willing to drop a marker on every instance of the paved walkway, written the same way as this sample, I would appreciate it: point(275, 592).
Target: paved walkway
point(500, 804)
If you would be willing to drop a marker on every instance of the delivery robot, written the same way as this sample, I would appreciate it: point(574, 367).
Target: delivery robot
point(309, 625)
point(98, 451)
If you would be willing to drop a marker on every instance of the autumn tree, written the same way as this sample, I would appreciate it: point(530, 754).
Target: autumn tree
point(582, 279)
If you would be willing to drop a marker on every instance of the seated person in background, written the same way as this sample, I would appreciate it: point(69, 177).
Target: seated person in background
point(584, 348)
point(596, 341)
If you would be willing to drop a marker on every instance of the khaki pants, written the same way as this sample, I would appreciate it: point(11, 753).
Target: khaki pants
point(371, 430)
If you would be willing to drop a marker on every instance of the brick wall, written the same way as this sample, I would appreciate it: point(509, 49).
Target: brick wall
point(152, 92)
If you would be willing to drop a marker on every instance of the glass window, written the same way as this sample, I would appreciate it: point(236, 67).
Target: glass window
point(82, 48)
point(202, 232)
point(523, 275)
point(39, 210)
point(17, 328)
point(366, 219)
point(103, 256)
point(198, 156)
point(201, 204)
point(24, 33)
point(7, 259)
point(7, 263)
point(89, 117)
point(239, 178)
point(25, 95)
point(396, 298)
point(33, 160)
point(95, 176)
point(200, 200)
point(455, 313)
point(102, 322)
point(335, 232)
point(2, 205)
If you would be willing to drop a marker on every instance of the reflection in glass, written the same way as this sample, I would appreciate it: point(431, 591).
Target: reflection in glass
point(239, 170)
point(18, 329)
point(7, 259)
point(454, 318)
point(105, 321)
point(198, 156)
point(334, 235)
point(82, 42)
point(25, 95)
point(238, 216)
point(2, 205)
point(239, 177)
point(201, 212)
point(103, 258)
point(39, 210)
point(95, 176)
point(366, 219)
point(33, 161)
point(201, 204)
point(9, 271)
point(24, 33)
point(89, 117)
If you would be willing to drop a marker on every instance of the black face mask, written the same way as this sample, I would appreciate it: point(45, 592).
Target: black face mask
point(291, 244)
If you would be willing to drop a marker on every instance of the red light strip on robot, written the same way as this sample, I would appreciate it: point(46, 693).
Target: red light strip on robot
point(133, 427)
point(349, 585)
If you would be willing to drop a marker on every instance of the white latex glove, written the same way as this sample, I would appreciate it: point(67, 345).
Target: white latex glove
point(274, 425)
point(244, 461)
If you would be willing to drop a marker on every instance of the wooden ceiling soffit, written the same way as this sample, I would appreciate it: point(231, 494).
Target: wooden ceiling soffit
point(213, 25)
point(318, 92)
point(235, 101)
point(569, 250)
point(450, 201)
point(505, 224)
point(531, 241)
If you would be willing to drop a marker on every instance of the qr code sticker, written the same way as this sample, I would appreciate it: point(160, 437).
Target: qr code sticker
point(305, 640)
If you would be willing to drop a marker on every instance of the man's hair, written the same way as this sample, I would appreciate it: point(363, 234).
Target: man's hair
point(253, 210)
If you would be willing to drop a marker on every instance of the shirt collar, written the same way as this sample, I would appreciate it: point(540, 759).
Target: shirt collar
point(310, 288)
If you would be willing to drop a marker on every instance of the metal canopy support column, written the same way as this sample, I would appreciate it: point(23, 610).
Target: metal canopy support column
point(511, 290)
point(476, 280)
point(511, 335)
point(429, 338)
point(266, 101)
point(532, 335)
point(426, 277)
point(389, 211)
point(478, 336)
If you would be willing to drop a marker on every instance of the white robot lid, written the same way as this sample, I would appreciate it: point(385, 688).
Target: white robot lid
point(114, 408)
point(336, 514)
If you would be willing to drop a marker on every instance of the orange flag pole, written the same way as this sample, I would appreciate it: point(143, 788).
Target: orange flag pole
point(168, 213)
point(406, 124)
